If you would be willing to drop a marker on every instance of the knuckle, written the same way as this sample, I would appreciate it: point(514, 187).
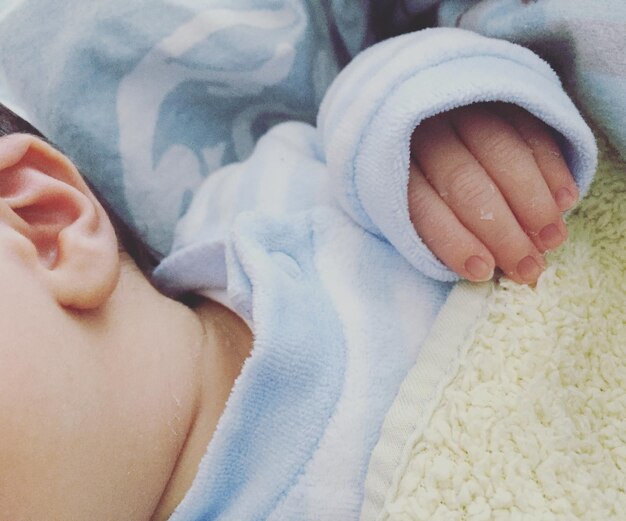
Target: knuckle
point(506, 152)
point(467, 187)
point(498, 147)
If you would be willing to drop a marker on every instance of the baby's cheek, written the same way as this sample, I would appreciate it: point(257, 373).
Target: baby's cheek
point(47, 402)
point(29, 430)
point(40, 399)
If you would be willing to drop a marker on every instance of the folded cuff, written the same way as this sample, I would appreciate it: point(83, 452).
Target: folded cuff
point(369, 114)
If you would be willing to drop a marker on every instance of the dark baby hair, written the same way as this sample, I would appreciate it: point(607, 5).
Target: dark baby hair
point(145, 258)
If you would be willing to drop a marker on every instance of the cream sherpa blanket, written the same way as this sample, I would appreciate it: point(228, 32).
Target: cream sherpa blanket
point(528, 416)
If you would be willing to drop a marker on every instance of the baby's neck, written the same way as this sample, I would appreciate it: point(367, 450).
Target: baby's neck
point(167, 370)
point(227, 343)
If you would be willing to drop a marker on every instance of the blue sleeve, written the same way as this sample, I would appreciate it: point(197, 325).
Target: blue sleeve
point(357, 158)
point(369, 113)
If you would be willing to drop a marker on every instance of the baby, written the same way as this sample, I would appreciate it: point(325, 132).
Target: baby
point(330, 189)
point(110, 391)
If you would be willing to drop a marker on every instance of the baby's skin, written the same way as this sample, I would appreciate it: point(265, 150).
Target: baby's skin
point(487, 187)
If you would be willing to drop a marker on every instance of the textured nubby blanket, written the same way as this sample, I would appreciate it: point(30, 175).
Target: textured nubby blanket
point(529, 419)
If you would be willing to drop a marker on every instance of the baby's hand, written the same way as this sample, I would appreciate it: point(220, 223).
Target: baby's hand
point(487, 187)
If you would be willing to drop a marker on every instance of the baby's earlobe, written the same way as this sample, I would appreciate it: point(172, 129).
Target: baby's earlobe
point(70, 240)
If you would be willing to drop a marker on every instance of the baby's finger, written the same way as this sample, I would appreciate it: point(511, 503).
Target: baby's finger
point(547, 154)
point(456, 175)
point(442, 232)
point(511, 165)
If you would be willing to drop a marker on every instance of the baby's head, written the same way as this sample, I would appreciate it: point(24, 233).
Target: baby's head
point(100, 375)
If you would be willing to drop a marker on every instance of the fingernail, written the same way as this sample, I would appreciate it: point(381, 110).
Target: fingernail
point(478, 268)
point(528, 269)
point(564, 199)
point(551, 236)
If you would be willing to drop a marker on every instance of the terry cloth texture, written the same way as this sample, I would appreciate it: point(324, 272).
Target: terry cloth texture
point(529, 422)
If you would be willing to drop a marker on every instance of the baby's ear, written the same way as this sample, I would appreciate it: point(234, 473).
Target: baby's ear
point(61, 229)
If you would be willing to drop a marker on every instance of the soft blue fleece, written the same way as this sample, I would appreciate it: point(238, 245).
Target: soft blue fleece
point(302, 230)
